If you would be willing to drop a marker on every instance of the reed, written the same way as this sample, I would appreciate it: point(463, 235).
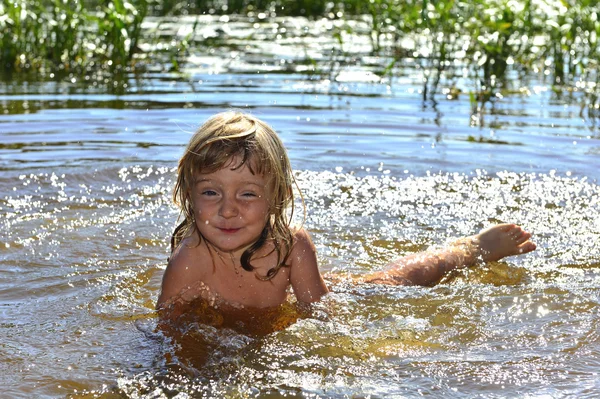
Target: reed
point(118, 29)
point(62, 35)
point(21, 32)
point(491, 39)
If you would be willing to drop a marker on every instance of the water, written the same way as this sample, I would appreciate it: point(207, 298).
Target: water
point(86, 179)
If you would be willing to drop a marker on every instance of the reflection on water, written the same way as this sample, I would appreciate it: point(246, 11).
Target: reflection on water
point(86, 214)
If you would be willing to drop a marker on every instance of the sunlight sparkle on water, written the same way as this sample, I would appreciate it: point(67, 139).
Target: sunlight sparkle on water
point(359, 221)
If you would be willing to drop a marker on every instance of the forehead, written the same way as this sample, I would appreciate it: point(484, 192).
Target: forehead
point(211, 162)
point(233, 171)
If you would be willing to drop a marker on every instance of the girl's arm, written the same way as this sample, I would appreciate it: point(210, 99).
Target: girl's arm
point(306, 280)
point(427, 268)
point(173, 284)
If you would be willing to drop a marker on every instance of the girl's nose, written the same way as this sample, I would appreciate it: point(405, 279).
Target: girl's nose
point(228, 208)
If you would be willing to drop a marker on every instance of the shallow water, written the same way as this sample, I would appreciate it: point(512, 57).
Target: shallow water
point(86, 213)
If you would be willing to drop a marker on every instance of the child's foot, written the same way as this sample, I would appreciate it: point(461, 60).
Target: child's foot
point(503, 240)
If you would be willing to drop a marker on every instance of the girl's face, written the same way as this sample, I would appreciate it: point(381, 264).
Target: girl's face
point(231, 206)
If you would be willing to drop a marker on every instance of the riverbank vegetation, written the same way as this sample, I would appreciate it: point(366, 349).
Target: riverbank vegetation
point(489, 42)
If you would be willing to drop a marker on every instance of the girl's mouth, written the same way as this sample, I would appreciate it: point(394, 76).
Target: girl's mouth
point(229, 231)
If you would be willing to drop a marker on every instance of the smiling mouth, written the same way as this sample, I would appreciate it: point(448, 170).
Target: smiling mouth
point(229, 231)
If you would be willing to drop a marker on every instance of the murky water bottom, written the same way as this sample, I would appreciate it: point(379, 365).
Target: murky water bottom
point(85, 250)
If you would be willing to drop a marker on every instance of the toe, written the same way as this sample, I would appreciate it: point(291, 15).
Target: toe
point(526, 247)
point(522, 237)
point(507, 228)
point(516, 230)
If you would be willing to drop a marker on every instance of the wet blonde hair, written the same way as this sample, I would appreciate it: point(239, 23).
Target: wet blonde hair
point(253, 143)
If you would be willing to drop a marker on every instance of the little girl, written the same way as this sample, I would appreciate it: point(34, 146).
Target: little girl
point(236, 245)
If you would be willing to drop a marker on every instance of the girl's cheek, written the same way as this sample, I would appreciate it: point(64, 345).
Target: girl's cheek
point(201, 222)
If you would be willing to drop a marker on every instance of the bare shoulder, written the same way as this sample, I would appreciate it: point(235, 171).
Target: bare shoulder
point(186, 267)
point(185, 259)
point(302, 236)
point(303, 245)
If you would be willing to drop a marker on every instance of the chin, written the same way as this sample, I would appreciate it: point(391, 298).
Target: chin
point(225, 247)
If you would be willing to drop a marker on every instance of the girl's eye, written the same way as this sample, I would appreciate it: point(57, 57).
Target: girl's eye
point(209, 193)
point(249, 195)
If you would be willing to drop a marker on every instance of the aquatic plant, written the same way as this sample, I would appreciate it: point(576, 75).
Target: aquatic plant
point(118, 30)
point(486, 41)
point(491, 40)
point(443, 30)
point(62, 35)
point(20, 32)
